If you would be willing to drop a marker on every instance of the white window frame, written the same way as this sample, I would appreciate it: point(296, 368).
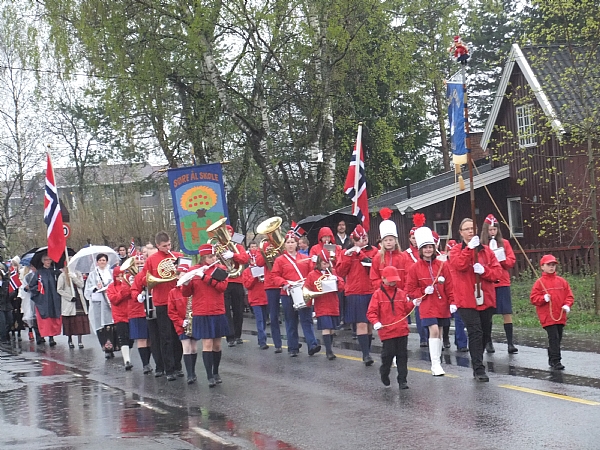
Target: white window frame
point(148, 215)
point(511, 218)
point(171, 217)
point(447, 222)
point(148, 193)
point(526, 126)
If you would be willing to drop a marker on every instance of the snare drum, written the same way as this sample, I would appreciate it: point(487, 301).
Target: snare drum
point(297, 296)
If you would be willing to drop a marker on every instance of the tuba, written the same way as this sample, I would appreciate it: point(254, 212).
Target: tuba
point(221, 243)
point(129, 265)
point(272, 229)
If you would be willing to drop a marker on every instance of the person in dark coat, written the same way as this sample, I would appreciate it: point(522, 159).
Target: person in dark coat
point(47, 300)
point(5, 306)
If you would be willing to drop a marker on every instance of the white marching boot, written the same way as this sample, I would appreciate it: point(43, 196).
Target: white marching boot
point(435, 353)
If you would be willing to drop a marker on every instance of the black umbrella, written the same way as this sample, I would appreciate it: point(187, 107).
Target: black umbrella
point(28, 256)
point(313, 224)
point(36, 260)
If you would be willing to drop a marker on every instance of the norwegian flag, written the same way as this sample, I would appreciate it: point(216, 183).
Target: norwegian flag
point(53, 216)
point(356, 183)
point(14, 282)
point(41, 289)
point(132, 250)
point(297, 229)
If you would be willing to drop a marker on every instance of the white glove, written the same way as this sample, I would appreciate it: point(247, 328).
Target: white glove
point(185, 323)
point(351, 251)
point(141, 298)
point(547, 297)
point(377, 326)
point(429, 290)
point(286, 287)
point(72, 275)
point(453, 309)
point(474, 242)
point(441, 279)
point(417, 301)
point(228, 254)
point(313, 258)
point(478, 269)
point(567, 309)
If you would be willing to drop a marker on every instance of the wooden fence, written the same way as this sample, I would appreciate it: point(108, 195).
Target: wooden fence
point(575, 260)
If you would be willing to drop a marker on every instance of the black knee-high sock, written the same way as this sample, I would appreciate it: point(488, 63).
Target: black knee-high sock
point(194, 359)
point(370, 340)
point(216, 361)
point(144, 355)
point(508, 328)
point(363, 340)
point(187, 360)
point(327, 339)
point(446, 333)
point(208, 359)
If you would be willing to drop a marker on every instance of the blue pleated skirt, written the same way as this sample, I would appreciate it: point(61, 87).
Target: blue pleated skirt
point(138, 328)
point(328, 322)
point(356, 308)
point(210, 327)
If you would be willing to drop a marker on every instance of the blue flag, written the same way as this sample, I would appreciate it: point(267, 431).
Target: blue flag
point(456, 115)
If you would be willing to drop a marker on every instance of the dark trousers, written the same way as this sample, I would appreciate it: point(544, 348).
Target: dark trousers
point(460, 337)
point(273, 297)
point(123, 334)
point(423, 331)
point(395, 347)
point(170, 345)
point(555, 333)
point(478, 325)
point(155, 344)
point(292, 317)
point(6, 320)
point(234, 308)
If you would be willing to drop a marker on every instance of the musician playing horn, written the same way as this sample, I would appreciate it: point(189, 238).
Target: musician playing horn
point(234, 296)
point(273, 293)
point(209, 322)
point(178, 312)
point(257, 297)
point(327, 306)
point(170, 346)
point(139, 325)
point(289, 272)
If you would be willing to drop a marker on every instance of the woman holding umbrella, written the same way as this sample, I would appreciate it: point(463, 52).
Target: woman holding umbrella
point(100, 309)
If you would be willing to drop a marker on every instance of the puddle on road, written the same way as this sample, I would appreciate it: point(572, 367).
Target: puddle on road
point(54, 397)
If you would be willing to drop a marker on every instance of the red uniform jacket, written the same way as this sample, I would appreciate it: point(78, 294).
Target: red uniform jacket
point(396, 258)
point(240, 258)
point(160, 292)
point(260, 262)
point(256, 289)
point(508, 264)
point(119, 294)
point(284, 271)
point(137, 309)
point(436, 305)
point(177, 309)
point(208, 298)
point(326, 304)
point(380, 310)
point(560, 295)
point(461, 261)
point(412, 254)
point(356, 275)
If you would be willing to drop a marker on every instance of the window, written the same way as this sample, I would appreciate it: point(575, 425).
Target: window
point(526, 126)
point(515, 216)
point(442, 227)
point(171, 215)
point(148, 214)
point(149, 193)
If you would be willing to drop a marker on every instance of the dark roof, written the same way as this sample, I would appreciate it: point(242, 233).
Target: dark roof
point(391, 198)
point(556, 68)
point(105, 174)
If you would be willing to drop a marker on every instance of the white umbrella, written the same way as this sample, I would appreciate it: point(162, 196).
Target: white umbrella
point(85, 259)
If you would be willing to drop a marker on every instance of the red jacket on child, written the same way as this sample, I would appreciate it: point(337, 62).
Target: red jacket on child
point(177, 308)
point(241, 258)
point(462, 260)
point(326, 304)
point(260, 262)
point(356, 275)
point(436, 305)
point(395, 258)
point(207, 293)
point(507, 264)
point(380, 310)
point(136, 309)
point(256, 289)
point(560, 295)
point(119, 294)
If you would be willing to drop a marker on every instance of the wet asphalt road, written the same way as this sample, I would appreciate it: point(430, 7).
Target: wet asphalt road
point(56, 398)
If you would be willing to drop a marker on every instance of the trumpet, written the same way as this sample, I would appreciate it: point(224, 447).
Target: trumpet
point(272, 229)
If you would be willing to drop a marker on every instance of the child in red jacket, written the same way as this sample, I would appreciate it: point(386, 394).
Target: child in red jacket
point(553, 298)
point(388, 311)
point(257, 299)
point(119, 293)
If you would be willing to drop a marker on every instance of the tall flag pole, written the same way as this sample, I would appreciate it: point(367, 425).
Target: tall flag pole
point(57, 241)
point(355, 186)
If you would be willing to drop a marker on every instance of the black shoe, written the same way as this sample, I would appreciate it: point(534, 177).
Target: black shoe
point(171, 377)
point(40, 341)
point(158, 374)
point(558, 366)
point(446, 343)
point(489, 347)
point(71, 345)
point(179, 373)
point(231, 343)
point(403, 385)
point(424, 344)
point(481, 377)
point(462, 349)
point(278, 350)
point(368, 360)
point(52, 342)
point(80, 345)
point(315, 349)
point(128, 366)
point(264, 347)
point(294, 353)
point(330, 356)
point(192, 379)
point(147, 369)
point(239, 341)
point(217, 378)
point(354, 336)
point(385, 379)
point(512, 349)
point(211, 382)
point(107, 355)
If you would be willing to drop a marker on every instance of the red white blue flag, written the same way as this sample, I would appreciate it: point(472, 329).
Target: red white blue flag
point(53, 217)
point(297, 229)
point(41, 289)
point(14, 282)
point(356, 183)
point(132, 251)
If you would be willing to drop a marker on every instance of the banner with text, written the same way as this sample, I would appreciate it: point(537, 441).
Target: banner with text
point(199, 200)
